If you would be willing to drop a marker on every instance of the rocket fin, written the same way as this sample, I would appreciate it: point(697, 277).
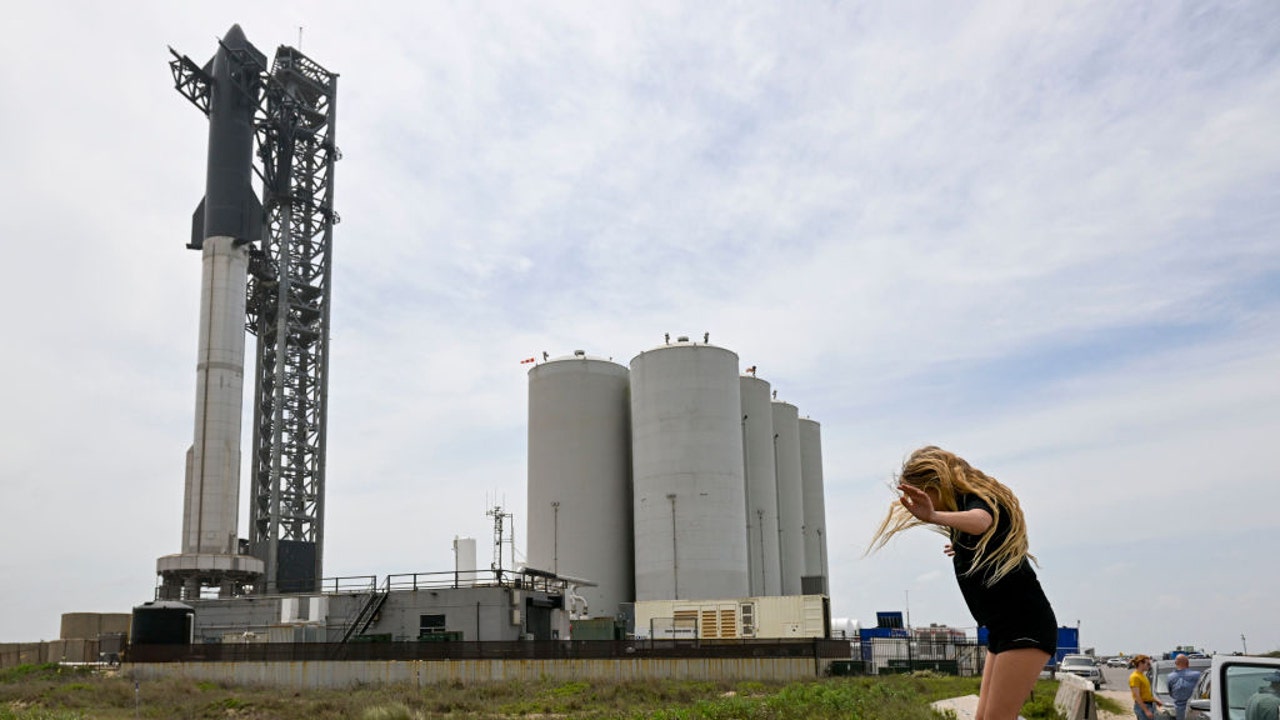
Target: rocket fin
point(251, 216)
point(197, 227)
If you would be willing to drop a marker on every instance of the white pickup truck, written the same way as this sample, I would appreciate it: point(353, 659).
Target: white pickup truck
point(1237, 687)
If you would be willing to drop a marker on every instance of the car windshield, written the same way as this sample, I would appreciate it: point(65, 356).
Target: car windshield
point(1077, 660)
point(1242, 684)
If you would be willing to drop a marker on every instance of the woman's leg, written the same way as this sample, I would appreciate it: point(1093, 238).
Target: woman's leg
point(1007, 681)
point(987, 667)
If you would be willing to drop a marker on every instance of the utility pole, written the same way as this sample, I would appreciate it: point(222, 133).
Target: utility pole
point(911, 665)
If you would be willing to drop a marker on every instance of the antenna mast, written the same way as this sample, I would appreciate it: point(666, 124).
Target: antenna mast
point(500, 518)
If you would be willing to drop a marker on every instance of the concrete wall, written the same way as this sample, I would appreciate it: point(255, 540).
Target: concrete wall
point(38, 653)
point(422, 673)
point(12, 654)
point(89, 625)
point(1075, 698)
point(483, 613)
point(479, 613)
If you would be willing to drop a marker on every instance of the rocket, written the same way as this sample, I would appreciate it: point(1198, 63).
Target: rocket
point(229, 207)
point(225, 224)
point(226, 221)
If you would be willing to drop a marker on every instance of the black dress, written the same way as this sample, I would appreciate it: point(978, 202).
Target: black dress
point(1014, 609)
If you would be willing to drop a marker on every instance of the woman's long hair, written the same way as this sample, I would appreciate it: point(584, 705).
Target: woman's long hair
point(933, 467)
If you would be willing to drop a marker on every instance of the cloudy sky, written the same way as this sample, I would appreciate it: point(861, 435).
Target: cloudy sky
point(1042, 235)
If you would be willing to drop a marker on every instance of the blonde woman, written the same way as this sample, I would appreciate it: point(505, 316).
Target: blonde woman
point(988, 547)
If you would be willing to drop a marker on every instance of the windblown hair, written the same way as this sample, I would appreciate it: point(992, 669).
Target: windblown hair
point(933, 467)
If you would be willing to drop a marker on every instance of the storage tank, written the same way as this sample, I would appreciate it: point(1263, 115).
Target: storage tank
point(464, 561)
point(815, 578)
point(762, 488)
point(690, 496)
point(786, 449)
point(580, 477)
point(845, 628)
point(162, 622)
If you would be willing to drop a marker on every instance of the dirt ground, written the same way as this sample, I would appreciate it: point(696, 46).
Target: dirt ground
point(1122, 697)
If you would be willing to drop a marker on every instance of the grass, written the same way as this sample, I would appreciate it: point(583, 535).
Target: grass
point(51, 693)
point(1112, 706)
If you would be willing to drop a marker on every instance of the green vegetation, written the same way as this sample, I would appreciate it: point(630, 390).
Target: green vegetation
point(1106, 704)
point(51, 693)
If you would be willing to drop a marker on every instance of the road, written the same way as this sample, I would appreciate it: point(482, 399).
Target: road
point(1116, 687)
point(1116, 678)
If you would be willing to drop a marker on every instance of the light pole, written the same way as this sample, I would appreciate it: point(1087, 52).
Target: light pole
point(555, 537)
point(675, 550)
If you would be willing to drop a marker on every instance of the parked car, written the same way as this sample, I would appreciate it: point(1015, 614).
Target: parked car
point(1236, 679)
point(1086, 666)
point(1118, 662)
point(1159, 677)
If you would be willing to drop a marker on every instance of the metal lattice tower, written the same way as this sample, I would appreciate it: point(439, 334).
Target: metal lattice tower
point(288, 311)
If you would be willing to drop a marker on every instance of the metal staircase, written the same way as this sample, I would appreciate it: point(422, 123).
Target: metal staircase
point(367, 613)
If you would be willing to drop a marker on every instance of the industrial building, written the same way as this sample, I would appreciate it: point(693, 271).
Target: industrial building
point(416, 607)
point(652, 496)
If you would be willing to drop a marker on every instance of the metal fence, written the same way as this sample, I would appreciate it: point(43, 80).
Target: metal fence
point(885, 656)
point(464, 650)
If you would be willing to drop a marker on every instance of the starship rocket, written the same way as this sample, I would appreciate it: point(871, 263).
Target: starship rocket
point(225, 223)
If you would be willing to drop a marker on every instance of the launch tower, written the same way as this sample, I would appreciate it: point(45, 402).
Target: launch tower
point(288, 306)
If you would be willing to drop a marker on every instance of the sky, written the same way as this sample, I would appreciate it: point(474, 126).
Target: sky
point(1041, 235)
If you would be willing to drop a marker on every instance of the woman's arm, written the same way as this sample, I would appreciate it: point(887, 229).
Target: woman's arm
point(973, 522)
point(919, 504)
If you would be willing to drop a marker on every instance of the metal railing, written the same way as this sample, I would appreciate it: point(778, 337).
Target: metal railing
point(364, 584)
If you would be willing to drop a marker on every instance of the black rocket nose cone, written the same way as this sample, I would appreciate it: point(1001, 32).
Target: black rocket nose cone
point(235, 37)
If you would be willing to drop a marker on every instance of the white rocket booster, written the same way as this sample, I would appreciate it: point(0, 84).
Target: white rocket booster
point(211, 504)
point(212, 501)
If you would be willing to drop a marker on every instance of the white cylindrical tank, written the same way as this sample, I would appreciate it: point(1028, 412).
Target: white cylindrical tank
point(580, 477)
point(815, 512)
point(786, 450)
point(690, 496)
point(845, 628)
point(464, 561)
point(762, 488)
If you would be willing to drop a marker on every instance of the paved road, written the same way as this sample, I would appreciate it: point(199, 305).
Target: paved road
point(1116, 678)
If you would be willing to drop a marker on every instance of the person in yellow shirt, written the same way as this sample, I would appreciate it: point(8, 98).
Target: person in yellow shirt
point(1144, 702)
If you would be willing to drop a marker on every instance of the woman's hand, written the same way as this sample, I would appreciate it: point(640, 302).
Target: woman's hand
point(918, 503)
point(948, 550)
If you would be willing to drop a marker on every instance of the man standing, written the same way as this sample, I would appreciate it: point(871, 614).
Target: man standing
point(1182, 682)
